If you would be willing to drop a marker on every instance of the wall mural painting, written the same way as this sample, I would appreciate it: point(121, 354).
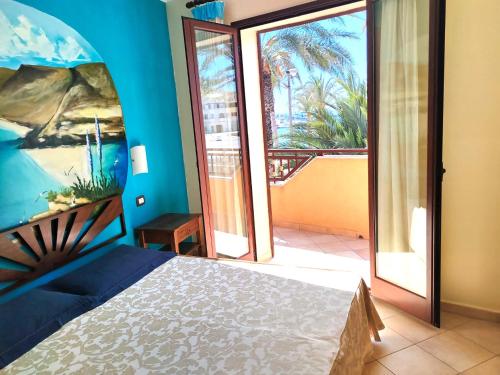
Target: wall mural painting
point(62, 138)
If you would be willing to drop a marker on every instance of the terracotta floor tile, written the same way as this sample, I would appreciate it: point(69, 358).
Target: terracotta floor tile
point(319, 238)
point(486, 334)
point(298, 253)
point(347, 254)
point(332, 247)
point(304, 243)
point(391, 343)
point(415, 361)
point(491, 367)
point(302, 238)
point(363, 253)
point(411, 328)
point(451, 320)
point(385, 310)
point(345, 238)
point(456, 351)
point(357, 244)
point(290, 233)
point(375, 368)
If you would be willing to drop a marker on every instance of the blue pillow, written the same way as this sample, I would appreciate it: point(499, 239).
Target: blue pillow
point(32, 317)
point(110, 274)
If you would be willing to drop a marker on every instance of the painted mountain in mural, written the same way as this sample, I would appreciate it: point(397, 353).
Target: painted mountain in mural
point(60, 104)
point(62, 137)
point(5, 74)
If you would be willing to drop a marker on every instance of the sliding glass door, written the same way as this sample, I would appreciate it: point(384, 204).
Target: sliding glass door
point(220, 135)
point(405, 164)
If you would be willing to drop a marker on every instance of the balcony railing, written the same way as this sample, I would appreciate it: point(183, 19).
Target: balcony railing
point(223, 162)
point(283, 163)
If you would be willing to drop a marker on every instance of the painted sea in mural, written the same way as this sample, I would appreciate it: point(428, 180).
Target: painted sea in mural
point(62, 137)
point(22, 204)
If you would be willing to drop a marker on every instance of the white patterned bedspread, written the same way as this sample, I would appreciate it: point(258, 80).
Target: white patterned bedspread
point(197, 316)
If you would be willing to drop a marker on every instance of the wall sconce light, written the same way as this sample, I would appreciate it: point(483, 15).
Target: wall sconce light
point(139, 160)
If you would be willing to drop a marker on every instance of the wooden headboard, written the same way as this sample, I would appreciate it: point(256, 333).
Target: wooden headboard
point(41, 246)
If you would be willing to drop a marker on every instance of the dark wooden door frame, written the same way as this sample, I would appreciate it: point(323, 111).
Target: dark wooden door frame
point(315, 19)
point(190, 25)
point(436, 81)
point(424, 308)
point(295, 11)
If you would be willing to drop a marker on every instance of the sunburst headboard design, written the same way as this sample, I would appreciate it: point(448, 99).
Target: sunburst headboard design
point(41, 246)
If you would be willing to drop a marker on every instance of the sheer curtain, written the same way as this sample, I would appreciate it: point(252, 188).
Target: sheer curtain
point(402, 124)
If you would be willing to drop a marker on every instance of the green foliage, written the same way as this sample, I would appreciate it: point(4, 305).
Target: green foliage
point(66, 192)
point(216, 64)
point(51, 195)
point(333, 123)
point(96, 189)
point(337, 114)
point(315, 44)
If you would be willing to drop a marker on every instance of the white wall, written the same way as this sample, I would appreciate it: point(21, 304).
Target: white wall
point(471, 187)
point(176, 9)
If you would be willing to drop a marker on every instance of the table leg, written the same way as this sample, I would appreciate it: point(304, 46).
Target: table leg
point(142, 240)
point(199, 238)
point(174, 244)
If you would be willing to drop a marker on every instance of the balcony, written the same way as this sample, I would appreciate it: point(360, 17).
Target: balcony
point(323, 191)
point(302, 250)
point(319, 204)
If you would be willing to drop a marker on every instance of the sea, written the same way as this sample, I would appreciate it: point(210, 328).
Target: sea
point(24, 184)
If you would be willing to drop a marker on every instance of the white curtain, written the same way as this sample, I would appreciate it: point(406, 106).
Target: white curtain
point(402, 37)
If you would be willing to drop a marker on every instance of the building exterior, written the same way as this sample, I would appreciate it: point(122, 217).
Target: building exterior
point(220, 113)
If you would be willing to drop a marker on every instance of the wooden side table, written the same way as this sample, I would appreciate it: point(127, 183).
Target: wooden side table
point(171, 229)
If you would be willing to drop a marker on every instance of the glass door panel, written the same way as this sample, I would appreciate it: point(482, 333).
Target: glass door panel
point(220, 138)
point(404, 154)
point(403, 71)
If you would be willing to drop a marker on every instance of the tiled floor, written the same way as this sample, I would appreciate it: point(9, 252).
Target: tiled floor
point(412, 347)
point(409, 346)
point(322, 251)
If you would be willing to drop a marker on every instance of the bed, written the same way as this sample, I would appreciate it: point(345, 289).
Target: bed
point(145, 311)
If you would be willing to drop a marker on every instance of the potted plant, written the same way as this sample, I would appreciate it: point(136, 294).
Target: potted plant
point(207, 10)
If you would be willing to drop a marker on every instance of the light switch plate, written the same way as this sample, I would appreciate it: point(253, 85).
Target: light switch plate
point(140, 201)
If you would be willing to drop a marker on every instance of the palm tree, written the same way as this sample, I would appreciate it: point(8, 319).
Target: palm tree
point(216, 63)
point(336, 111)
point(314, 44)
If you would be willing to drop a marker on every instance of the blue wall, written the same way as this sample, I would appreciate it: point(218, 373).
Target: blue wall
point(132, 38)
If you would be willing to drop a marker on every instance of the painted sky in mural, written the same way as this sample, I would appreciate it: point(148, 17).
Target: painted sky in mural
point(28, 38)
point(62, 137)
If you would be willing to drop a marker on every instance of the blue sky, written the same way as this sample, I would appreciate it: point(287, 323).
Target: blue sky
point(356, 23)
point(28, 36)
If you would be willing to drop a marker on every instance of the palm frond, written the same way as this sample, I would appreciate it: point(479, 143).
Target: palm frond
point(337, 114)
